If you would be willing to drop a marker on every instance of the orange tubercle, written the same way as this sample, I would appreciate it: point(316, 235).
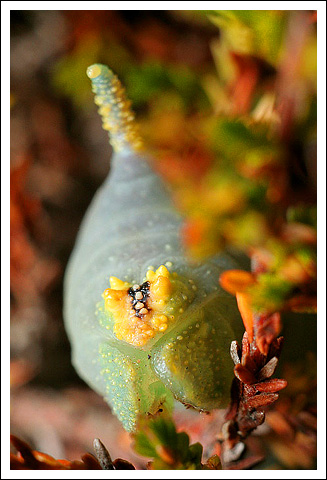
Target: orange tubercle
point(139, 310)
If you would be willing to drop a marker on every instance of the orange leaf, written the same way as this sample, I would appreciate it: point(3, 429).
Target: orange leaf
point(244, 375)
point(244, 306)
point(234, 281)
point(267, 328)
point(261, 400)
point(271, 386)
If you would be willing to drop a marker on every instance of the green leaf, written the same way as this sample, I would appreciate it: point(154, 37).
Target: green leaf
point(165, 431)
point(160, 464)
point(270, 292)
point(182, 445)
point(158, 439)
point(144, 446)
point(195, 453)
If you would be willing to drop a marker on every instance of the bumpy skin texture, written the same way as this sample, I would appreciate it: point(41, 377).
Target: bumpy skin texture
point(130, 225)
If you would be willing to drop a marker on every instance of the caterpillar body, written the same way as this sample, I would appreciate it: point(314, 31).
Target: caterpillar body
point(145, 326)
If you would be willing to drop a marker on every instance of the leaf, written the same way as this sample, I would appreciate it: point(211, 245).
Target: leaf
point(244, 306)
point(170, 450)
point(29, 459)
point(268, 370)
point(195, 453)
point(235, 352)
point(236, 281)
point(165, 431)
point(183, 445)
point(143, 445)
point(267, 328)
point(102, 455)
point(244, 375)
point(121, 464)
point(261, 400)
point(91, 462)
point(273, 385)
point(214, 463)
point(270, 292)
point(248, 361)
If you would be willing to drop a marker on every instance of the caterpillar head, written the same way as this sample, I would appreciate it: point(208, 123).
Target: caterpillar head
point(185, 337)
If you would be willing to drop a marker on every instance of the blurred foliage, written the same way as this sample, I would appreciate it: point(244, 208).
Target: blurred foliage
point(252, 32)
point(144, 81)
point(237, 144)
point(263, 155)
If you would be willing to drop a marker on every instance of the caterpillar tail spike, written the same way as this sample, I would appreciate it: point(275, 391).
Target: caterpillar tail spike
point(114, 108)
point(145, 326)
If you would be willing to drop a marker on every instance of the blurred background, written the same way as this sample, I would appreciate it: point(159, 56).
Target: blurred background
point(226, 104)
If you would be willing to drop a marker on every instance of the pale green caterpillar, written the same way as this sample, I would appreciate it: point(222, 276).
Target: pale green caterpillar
point(145, 326)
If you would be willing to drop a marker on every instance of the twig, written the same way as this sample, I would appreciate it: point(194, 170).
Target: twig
point(252, 390)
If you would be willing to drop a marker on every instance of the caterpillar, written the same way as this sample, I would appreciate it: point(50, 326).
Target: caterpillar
point(146, 327)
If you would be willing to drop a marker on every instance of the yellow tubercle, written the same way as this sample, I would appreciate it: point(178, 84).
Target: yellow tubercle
point(112, 296)
point(118, 284)
point(150, 275)
point(161, 289)
point(162, 271)
point(160, 322)
point(139, 310)
point(105, 110)
point(93, 71)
